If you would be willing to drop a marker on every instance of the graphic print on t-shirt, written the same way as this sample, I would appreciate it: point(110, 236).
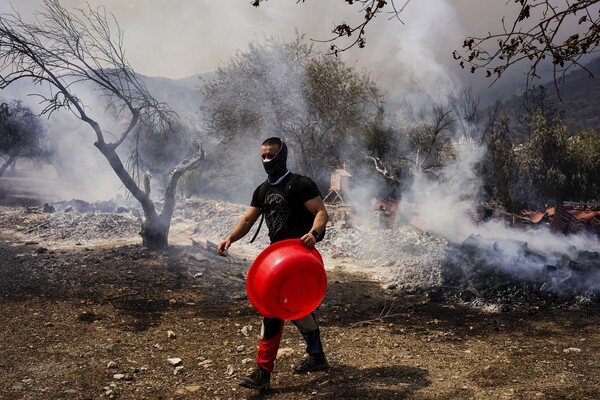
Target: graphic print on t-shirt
point(276, 212)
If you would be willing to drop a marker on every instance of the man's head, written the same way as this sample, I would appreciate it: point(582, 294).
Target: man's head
point(273, 152)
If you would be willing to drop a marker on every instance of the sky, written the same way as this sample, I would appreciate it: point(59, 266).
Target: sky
point(181, 38)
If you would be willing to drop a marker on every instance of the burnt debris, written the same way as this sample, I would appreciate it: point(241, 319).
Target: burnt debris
point(506, 273)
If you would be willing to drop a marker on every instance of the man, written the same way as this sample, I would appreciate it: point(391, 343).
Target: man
point(290, 212)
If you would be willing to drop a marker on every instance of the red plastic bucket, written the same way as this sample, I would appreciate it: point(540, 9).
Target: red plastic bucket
point(287, 280)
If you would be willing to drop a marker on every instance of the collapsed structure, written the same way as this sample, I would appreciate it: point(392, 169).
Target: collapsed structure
point(567, 218)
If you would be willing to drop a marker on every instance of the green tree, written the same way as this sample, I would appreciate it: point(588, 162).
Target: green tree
point(536, 103)
point(22, 135)
point(315, 103)
point(430, 135)
point(342, 103)
point(584, 166)
point(499, 168)
point(543, 162)
point(71, 51)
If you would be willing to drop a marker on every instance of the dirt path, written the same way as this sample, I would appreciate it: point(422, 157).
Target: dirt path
point(93, 323)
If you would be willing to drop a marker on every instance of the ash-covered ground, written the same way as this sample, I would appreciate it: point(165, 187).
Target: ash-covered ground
point(478, 271)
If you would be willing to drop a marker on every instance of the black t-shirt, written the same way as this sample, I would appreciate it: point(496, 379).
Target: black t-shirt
point(286, 221)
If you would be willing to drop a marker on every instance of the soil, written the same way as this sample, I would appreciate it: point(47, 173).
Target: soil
point(102, 320)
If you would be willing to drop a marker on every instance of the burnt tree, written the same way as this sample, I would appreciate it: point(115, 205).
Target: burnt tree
point(71, 51)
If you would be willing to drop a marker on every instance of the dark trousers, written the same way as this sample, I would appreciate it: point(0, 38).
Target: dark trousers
point(271, 337)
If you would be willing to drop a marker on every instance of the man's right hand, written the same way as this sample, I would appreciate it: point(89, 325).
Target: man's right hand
point(239, 231)
point(223, 247)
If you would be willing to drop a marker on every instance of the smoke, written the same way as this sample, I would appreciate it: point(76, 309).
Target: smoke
point(78, 170)
point(187, 37)
point(446, 206)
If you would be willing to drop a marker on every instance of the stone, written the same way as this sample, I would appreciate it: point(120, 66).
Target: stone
point(174, 361)
point(111, 365)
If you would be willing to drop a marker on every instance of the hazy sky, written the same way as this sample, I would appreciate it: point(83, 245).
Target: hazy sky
point(180, 38)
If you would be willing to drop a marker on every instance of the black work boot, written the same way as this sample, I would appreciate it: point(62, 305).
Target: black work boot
point(312, 363)
point(259, 379)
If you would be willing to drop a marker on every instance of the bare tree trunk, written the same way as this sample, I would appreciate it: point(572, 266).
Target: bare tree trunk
point(155, 227)
point(4, 166)
point(155, 232)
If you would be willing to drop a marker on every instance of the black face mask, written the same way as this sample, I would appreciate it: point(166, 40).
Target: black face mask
point(276, 167)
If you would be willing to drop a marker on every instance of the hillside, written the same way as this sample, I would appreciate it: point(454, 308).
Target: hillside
point(578, 97)
point(181, 95)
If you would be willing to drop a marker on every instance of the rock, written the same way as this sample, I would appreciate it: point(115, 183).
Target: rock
point(171, 334)
point(119, 376)
point(229, 370)
point(198, 257)
point(572, 350)
point(240, 348)
point(436, 295)
point(174, 361)
point(246, 330)
point(206, 363)
point(285, 352)
point(111, 365)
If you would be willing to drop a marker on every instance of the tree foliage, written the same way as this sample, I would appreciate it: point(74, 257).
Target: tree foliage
point(498, 167)
point(71, 52)
point(22, 134)
point(584, 166)
point(542, 30)
point(315, 103)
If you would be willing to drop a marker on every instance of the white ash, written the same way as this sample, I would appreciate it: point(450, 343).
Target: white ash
point(404, 256)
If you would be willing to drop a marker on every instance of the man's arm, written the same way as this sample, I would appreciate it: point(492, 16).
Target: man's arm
point(317, 207)
point(240, 230)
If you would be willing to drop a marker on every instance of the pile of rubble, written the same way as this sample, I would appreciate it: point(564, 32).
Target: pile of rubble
point(565, 219)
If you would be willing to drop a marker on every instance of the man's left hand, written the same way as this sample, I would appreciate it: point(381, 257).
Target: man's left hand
point(308, 240)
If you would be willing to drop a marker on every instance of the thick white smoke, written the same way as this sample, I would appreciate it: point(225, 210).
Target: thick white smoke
point(446, 207)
